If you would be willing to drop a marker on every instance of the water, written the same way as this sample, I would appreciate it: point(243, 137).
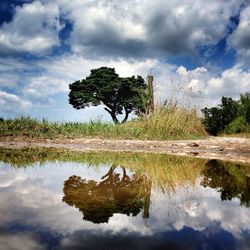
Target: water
point(62, 200)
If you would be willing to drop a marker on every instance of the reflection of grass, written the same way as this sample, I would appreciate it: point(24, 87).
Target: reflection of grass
point(163, 170)
point(167, 122)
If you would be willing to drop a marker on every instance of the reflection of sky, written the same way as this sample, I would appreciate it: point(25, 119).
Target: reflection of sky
point(33, 215)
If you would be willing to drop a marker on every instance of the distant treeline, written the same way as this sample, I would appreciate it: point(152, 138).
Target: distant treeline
point(228, 117)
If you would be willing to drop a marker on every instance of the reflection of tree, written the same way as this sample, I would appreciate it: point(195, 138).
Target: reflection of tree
point(116, 193)
point(230, 179)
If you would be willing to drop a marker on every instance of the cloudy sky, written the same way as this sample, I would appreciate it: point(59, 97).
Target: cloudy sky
point(197, 49)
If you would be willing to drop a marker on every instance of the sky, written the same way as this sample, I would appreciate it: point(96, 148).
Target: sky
point(197, 51)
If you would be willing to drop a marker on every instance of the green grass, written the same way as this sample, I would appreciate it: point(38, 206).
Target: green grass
point(167, 122)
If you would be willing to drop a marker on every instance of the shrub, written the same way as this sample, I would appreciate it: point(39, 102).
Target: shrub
point(236, 126)
point(217, 118)
point(244, 108)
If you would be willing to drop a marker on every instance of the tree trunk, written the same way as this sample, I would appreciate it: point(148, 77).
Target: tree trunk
point(147, 200)
point(115, 120)
point(112, 113)
point(126, 115)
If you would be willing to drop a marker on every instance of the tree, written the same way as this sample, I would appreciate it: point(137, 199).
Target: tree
point(217, 118)
point(104, 86)
point(115, 193)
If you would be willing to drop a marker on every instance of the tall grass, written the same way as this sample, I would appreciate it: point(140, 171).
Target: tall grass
point(168, 121)
point(171, 121)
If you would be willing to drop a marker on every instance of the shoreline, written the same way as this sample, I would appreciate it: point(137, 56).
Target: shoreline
point(221, 148)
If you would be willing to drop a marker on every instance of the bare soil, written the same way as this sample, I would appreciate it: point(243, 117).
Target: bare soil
point(224, 148)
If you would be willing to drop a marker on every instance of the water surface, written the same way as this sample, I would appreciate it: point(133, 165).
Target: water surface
point(61, 200)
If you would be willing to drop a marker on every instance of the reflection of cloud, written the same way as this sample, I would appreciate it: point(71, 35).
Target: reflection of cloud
point(187, 238)
point(25, 241)
point(32, 198)
point(199, 209)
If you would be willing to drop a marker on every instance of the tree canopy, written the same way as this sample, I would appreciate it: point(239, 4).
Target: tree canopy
point(115, 193)
point(230, 116)
point(104, 86)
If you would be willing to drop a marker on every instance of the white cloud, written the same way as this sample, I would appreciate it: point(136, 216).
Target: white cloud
point(44, 86)
point(138, 28)
point(231, 83)
point(240, 38)
point(74, 67)
point(34, 29)
point(12, 102)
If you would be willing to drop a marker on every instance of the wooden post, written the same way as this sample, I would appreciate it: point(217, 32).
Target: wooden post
point(151, 105)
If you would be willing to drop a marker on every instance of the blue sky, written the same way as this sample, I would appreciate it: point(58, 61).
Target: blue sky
point(198, 50)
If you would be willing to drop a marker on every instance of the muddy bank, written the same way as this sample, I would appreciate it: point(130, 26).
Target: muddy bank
point(223, 148)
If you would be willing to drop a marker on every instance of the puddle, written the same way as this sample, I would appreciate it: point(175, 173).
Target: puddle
point(53, 199)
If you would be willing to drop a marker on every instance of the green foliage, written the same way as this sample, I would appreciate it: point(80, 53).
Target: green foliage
point(230, 116)
point(244, 108)
point(213, 120)
point(104, 86)
point(237, 126)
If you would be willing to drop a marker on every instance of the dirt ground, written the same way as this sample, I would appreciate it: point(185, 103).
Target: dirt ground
point(224, 148)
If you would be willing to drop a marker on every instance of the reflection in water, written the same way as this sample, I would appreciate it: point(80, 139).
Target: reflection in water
point(230, 179)
point(180, 197)
point(98, 201)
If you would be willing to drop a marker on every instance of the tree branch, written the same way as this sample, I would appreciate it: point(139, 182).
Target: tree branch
point(108, 110)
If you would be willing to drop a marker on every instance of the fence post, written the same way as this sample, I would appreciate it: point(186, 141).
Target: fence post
point(151, 105)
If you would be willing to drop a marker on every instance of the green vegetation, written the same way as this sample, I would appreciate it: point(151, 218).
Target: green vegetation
point(104, 86)
point(229, 117)
point(167, 122)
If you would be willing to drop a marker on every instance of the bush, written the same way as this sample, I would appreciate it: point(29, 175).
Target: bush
point(237, 126)
point(229, 117)
point(244, 108)
point(217, 118)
